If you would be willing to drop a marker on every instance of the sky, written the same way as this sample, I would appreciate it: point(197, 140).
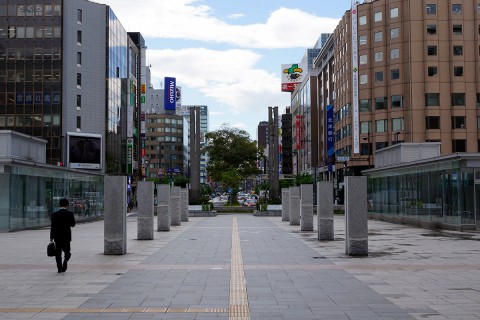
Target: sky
point(227, 55)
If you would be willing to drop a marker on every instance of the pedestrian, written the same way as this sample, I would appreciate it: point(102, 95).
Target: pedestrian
point(61, 233)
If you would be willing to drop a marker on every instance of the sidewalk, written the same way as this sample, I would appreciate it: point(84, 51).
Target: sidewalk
point(244, 267)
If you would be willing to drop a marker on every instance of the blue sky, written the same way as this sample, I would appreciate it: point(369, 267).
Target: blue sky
point(228, 54)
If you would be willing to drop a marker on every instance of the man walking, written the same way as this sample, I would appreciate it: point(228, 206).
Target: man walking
point(60, 232)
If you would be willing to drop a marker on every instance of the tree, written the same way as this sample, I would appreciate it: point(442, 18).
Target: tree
point(232, 155)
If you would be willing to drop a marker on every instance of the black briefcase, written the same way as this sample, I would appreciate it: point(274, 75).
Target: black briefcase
point(51, 249)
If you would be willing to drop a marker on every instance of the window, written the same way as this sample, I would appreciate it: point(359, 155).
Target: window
point(79, 37)
point(379, 76)
point(79, 101)
point(478, 122)
point(362, 20)
point(365, 105)
point(79, 16)
point(79, 79)
point(381, 125)
point(377, 16)
point(432, 71)
point(397, 124)
point(457, 29)
point(458, 50)
point(459, 146)
point(363, 79)
point(395, 54)
point(362, 59)
point(381, 103)
point(394, 33)
point(458, 99)
point(458, 71)
point(432, 50)
point(397, 101)
point(432, 99)
point(378, 56)
point(431, 8)
point(363, 39)
point(378, 36)
point(432, 122)
point(458, 122)
point(456, 8)
point(79, 59)
point(79, 123)
point(393, 13)
point(395, 74)
point(365, 126)
point(478, 99)
point(431, 29)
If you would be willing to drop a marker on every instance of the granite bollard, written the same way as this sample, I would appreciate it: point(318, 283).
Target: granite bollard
point(174, 207)
point(325, 210)
point(285, 204)
point(356, 217)
point(163, 205)
point(184, 204)
point(306, 207)
point(294, 206)
point(115, 215)
point(145, 211)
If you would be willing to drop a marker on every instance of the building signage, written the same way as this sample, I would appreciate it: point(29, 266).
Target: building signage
point(355, 107)
point(330, 136)
point(170, 96)
point(293, 75)
point(129, 156)
point(300, 132)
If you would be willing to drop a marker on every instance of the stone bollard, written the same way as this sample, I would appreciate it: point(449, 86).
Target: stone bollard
point(356, 218)
point(115, 215)
point(184, 204)
point(294, 206)
point(285, 204)
point(145, 210)
point(325, 210)
point(163, 204)
point(306, 207)
point(174, 208)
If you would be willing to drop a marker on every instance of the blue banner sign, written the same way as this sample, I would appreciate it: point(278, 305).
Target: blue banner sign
point(170, 96)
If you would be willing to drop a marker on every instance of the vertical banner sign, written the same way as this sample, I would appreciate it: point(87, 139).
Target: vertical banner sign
point(330, 136)
point(170, 96)
point(129, 156)
point(356, 116)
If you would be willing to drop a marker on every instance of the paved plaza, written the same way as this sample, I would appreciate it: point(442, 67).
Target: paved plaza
point(244, 267)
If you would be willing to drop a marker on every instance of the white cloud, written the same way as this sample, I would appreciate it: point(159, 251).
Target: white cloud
point(235, 16)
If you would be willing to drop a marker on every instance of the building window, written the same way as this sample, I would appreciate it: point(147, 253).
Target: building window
point(381, 125)
point(79, 123)
point(79, 102)
point(362, 20)
point(365, 105)
point(397, 101)
point(378, 56)
point(458, 50)
point(457, 29)
point(458, 122)
point(432, 50)
point(458, 146)
point(397, 124)
point(79, 79)
point(432, 122)
point(365, 126)
point(478, 99)
point(378, 36)
point(363, 79)
point(394, 33)
point(362, 59)
point(79, 16)
point(432, 99)
point(79, 37)
point(431, 8)
point(456, 8)
point(393, 13)
point(377, 16)
point(79, 59)
point(381, 103)
point(478, 122)
point(432, 71)
point(431, 29)
point(394, 54)
point(363, 39)
point(379, 76)
point(458, 99)
point(395, 74)
point(458, 71)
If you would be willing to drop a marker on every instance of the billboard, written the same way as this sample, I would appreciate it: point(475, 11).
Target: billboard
point(84, 150)
point(170, 96)
point(293, 75)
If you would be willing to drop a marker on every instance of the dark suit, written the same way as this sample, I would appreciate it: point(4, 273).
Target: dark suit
point(60, 232)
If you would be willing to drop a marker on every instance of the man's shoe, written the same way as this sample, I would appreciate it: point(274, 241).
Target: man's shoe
point(60, 270)
point(64, 267)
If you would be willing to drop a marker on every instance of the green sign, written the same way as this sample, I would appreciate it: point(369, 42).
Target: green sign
point(129, 156)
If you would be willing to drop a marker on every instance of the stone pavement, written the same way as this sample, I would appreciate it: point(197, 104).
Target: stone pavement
point(244, 267)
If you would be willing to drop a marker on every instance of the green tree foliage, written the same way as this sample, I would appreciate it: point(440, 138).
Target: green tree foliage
point(304, 178)
point(232, 155)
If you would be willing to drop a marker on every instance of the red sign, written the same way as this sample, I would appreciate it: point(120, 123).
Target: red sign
point(300, 132)
point(289, 87)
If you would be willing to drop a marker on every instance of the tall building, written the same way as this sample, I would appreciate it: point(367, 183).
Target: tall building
point(66, 82)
